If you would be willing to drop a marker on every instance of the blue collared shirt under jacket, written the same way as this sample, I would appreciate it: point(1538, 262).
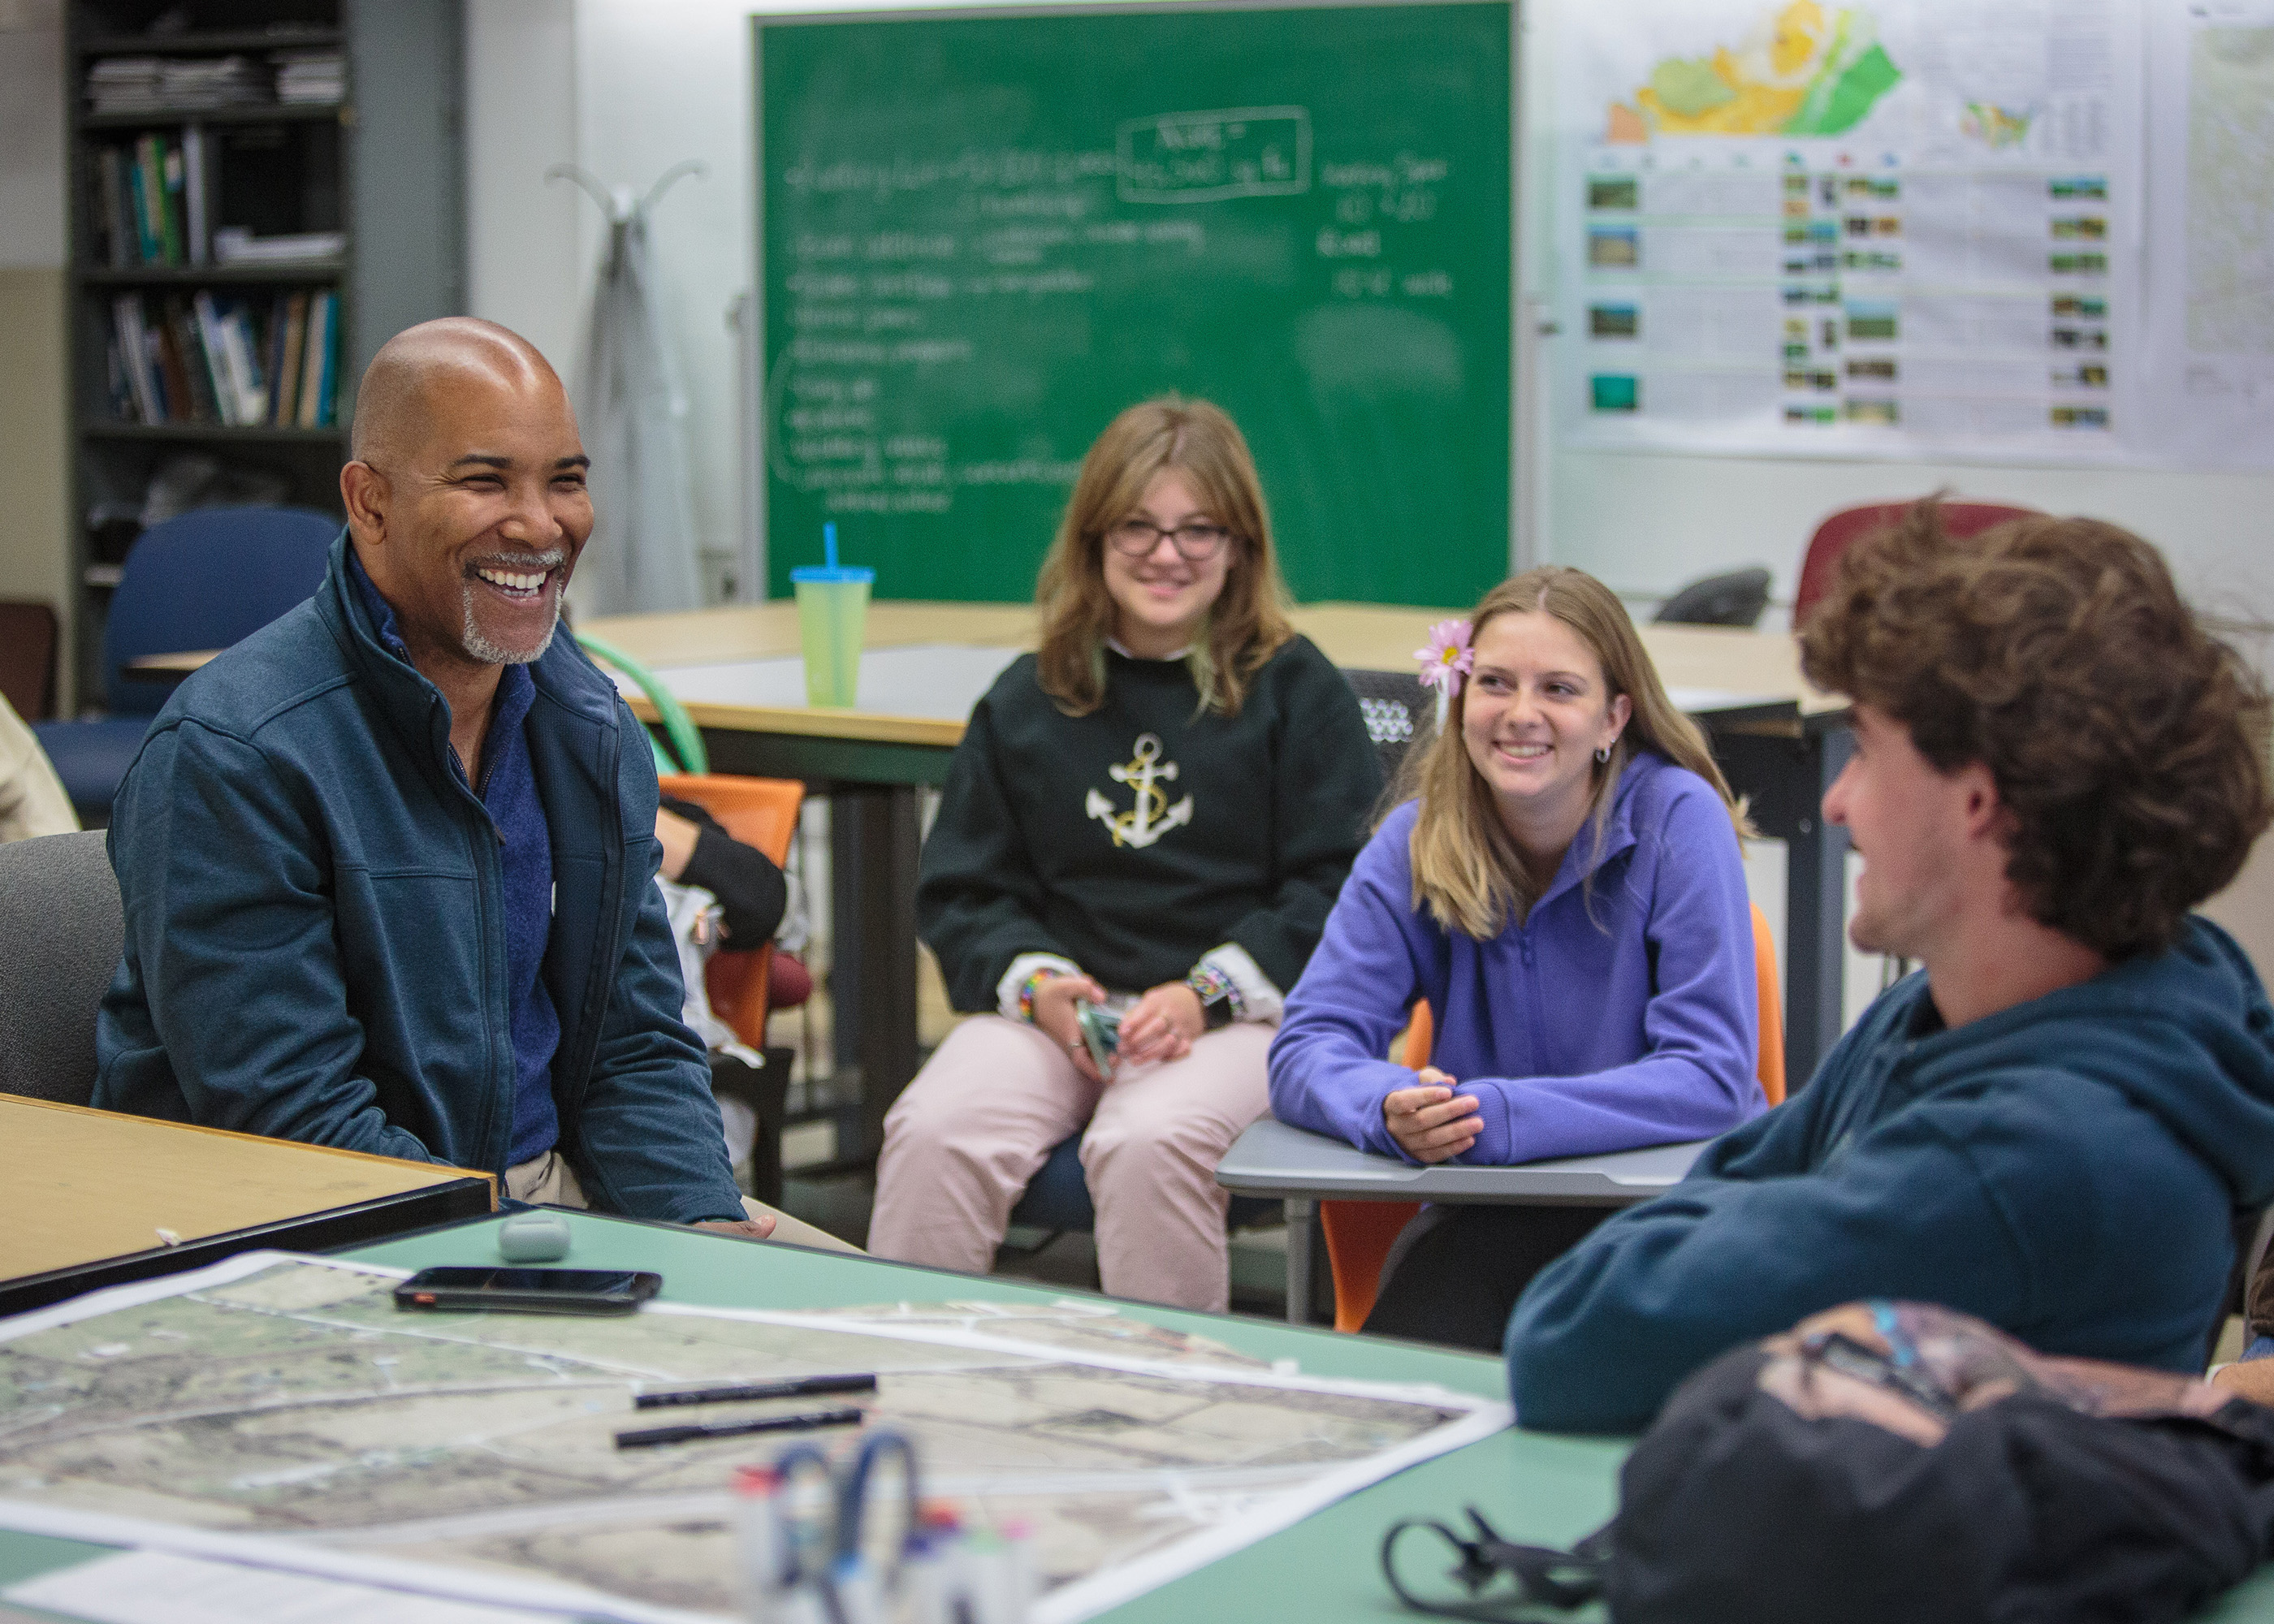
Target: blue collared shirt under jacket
point(508, 791)
point(316, 937)
point(1620, 1012)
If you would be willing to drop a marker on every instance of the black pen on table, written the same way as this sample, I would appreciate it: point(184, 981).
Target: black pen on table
point(801, 1386)
point(847, 1417)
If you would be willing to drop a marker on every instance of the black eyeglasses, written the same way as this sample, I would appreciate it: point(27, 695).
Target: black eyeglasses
point(1196, 541)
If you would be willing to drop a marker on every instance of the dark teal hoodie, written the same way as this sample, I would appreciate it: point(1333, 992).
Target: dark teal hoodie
point(315, 922)
point(2068, 1170)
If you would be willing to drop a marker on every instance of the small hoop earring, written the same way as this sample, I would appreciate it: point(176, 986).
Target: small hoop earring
point(1603, 753)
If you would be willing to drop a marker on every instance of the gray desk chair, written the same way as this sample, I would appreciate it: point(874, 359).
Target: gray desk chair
point(60, 932)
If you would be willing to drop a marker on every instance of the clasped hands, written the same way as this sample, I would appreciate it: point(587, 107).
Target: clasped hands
point(1160, 1026)
point(1428, 1122)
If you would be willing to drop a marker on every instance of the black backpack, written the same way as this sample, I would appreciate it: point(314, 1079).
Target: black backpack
point(1901, 1463)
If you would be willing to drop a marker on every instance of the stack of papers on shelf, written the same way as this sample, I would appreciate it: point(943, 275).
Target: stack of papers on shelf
point(234, 245)
point(123, 84)
point(308, 76)
point(171, 84)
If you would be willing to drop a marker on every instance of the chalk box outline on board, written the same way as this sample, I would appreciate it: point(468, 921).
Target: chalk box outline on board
point(1131, 190)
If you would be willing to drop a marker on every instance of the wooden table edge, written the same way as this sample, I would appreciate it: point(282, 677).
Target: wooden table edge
point(454, 1199)
point(444, 1170)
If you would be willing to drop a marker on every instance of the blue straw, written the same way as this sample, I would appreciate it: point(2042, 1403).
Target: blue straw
point(829, 540)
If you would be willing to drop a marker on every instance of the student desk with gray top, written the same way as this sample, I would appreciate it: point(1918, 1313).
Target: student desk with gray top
point(1303, 1168)
point(1534, 1488)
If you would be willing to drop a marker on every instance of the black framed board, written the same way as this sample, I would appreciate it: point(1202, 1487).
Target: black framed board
point(982, 235)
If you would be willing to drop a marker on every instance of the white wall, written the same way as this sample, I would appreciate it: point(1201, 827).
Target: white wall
point(34, 544)
point(656, 81)
point(31, 133)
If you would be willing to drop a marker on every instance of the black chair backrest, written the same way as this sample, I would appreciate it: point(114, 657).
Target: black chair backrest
point(1735, 600)
point(1398, 711)
point(60, 932)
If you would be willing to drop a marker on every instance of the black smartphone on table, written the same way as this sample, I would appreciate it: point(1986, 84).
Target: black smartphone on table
point(527, 1291)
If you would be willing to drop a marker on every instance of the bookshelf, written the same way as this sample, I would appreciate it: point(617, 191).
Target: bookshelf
point(262, 193)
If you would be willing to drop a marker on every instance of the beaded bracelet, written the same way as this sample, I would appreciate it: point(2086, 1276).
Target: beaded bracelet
point(1211, 984)
point(1026, 990)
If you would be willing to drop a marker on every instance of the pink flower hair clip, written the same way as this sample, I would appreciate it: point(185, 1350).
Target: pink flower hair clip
point(1448, 658)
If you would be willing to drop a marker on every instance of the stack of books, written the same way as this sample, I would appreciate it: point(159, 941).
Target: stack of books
point(308, 77)
point(174, 84)
point(239, 363)
point(150, 202)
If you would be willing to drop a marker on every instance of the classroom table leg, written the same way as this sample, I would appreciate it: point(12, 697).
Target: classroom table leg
point(1785, 777)
point(1816, 934)
point(872, 984)
point(1299, 1217)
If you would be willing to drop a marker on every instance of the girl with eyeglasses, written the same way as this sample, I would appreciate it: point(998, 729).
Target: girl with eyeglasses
point(1562, 883)
point(1151, 814)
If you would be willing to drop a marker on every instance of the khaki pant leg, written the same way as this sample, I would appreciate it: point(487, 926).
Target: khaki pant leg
point(1150, 1156)
point(963, 1141)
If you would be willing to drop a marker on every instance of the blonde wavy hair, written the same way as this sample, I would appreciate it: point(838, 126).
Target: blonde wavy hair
point(1249, 622)
point(1468, 870)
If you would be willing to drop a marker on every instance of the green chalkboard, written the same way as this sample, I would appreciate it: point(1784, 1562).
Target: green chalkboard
point(981, 237)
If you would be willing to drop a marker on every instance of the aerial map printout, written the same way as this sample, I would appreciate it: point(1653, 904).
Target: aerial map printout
point(1898, 228)
point(282, 1410)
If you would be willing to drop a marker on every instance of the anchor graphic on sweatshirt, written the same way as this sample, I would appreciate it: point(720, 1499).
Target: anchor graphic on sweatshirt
point(1152, 816)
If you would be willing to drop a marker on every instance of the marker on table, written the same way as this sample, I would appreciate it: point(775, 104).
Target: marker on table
point(802, 1387)
point(647, 1437)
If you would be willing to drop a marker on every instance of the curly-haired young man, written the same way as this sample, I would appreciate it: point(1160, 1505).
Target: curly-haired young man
point(2053, 1125)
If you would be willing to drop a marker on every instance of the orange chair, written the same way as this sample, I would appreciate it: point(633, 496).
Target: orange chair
point(1360, 1233)
point(1849, 525)
point(763, 813)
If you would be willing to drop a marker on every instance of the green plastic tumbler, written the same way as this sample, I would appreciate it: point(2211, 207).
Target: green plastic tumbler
point(832, 616)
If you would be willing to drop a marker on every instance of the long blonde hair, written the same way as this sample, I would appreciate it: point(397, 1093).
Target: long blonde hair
point(1468, 870)
point(1249, 622)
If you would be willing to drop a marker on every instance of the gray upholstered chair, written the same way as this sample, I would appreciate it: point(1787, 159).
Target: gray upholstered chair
point(60, 935)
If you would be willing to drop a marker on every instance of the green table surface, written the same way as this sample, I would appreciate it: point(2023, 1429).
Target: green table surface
point(1535, 1487)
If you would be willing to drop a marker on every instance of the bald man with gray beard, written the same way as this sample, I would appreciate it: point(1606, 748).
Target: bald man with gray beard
point(387, 864)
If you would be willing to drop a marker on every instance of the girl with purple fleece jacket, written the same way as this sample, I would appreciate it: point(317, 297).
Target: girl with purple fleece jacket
point(1563, 885)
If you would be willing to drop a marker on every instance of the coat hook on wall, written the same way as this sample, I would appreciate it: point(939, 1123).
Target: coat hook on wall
point(619, 203)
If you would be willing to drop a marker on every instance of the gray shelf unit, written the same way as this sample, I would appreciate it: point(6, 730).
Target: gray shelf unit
point(384, 167)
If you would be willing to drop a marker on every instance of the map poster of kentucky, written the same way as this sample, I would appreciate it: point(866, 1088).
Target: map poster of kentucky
point(1908, 229)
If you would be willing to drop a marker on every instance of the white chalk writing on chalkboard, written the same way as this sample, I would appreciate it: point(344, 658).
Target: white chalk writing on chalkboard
point(1255, 151)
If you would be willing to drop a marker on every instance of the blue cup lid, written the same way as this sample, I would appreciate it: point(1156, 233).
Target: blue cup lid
point(838, 573)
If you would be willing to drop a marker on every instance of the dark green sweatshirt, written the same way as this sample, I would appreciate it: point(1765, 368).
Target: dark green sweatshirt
point(1135, 838)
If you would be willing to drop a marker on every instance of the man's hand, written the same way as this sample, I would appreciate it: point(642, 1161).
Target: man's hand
point(1162, 1025)
point(744, 1228)
point(1428, 1122)
point(1055, 1019)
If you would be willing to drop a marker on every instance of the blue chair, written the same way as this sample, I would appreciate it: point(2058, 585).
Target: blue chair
point(203, 580)
point(1057, 1199)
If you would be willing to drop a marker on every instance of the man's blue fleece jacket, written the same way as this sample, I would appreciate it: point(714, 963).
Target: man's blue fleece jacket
point(315, 923)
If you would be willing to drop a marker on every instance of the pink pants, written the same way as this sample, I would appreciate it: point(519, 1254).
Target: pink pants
point(989, 1105)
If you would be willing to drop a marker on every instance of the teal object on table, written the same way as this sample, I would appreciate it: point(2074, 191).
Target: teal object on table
point(1534, 1488)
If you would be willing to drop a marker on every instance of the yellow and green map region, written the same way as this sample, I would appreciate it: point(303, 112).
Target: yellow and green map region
point(1802, 71)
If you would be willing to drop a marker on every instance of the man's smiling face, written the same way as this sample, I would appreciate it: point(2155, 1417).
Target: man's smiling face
point(485, 511)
